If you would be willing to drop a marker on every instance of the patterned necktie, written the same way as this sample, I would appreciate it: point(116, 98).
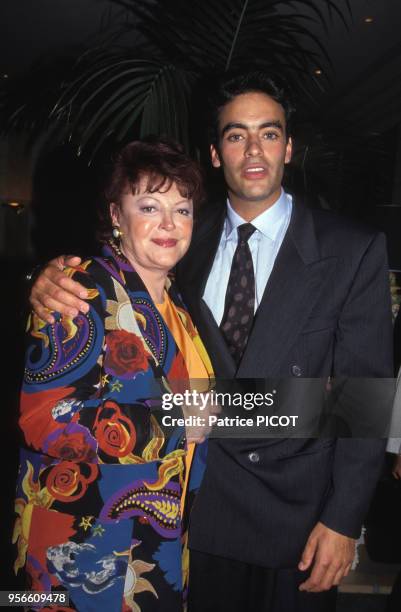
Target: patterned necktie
point(239, 306)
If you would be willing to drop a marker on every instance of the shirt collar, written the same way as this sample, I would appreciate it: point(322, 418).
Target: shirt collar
point(268, 222)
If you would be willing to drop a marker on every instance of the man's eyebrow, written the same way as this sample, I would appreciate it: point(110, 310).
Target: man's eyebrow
point(242, 126)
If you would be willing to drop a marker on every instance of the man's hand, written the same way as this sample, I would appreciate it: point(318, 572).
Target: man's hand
point(201, 429)
point(53, 290)
point(396, 470)
point(332, 555)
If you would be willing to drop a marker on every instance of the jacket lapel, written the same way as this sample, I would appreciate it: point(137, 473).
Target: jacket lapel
point(196, 265)
point(192, 275)
point(290, 295)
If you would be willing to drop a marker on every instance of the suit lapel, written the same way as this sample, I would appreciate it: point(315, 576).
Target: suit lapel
point(199, 260)
point(290, 295)
point(192, 275)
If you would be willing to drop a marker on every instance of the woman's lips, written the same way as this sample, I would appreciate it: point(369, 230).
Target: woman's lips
point(168, 243)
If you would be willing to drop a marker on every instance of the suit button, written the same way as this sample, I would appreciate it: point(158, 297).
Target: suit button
point(254, 457)
point(296, 370)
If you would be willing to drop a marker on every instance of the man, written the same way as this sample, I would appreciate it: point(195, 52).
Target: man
point(291, 293)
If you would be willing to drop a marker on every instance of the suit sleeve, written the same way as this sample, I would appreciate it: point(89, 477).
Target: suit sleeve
point(363, 350)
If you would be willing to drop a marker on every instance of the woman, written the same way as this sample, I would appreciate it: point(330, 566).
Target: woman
point(101, 478)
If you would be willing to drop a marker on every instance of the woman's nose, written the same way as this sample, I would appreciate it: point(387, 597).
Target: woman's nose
point(167, 221)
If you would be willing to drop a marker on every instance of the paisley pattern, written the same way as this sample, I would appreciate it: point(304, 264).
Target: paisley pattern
point(162, 509)
point(67, 351)
point(100, 479)
point(152, 329)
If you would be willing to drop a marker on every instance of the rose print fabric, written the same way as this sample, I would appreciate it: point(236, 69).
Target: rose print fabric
point(100, 479)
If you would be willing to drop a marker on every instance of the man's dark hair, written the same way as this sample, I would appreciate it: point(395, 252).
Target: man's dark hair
point(229, 86)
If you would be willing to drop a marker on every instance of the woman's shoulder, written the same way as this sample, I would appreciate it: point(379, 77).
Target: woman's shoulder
point(96, 270)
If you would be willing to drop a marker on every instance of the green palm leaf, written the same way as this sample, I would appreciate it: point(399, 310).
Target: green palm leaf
point(113, 92)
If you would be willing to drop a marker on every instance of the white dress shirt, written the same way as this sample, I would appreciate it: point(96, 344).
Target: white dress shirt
point(264, 244)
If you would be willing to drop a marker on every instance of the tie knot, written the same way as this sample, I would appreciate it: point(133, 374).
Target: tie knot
point(245, 231)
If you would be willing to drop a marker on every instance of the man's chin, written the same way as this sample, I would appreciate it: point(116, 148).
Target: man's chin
point(261, 197)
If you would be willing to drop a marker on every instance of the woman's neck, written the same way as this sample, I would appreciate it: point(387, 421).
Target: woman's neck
point(153, 279)
point(155, 287)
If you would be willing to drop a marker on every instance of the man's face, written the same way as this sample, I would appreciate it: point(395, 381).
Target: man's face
point(253, 149)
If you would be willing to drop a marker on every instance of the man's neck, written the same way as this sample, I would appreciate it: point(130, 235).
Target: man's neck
point(249, 209)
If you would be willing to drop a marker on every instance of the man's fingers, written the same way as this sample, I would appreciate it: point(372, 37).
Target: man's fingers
point(328, 579)
point(58, 294)
point(308, 554)
point(61, 300)
point(72, 260)
point(72, 287)
point(340, 575)
point(316, 577)
point(62, 261)
point(347, 569)
point(57, 262)
point(53, 277)
point(396, 473)
point(50, 296)
point(334, 555)
point(333, 577)
point(324, 576)
point(51, 304)
point(42, 312)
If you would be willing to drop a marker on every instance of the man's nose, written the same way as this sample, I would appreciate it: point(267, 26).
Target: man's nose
point(253, 148)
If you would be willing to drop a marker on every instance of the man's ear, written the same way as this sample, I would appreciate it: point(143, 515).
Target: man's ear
point(214, 157)
point(114, 213)
point(288, 151)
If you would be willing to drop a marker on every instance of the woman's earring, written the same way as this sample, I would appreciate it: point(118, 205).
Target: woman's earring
point(117, 233)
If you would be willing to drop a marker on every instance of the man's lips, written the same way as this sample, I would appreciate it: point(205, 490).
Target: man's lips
point(166, 243)
point(254, 172)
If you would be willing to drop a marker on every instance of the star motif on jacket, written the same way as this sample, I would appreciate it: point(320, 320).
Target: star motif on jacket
point(86, 522)
point(105, 380)
point(98, 530)
point(116, 386)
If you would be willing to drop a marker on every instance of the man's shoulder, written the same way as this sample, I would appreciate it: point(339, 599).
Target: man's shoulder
point(333, 221)
point(339, 232)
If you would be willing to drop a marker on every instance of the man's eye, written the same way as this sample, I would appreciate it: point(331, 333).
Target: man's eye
point(234, 137)
point(271, 135)
point(148, 209)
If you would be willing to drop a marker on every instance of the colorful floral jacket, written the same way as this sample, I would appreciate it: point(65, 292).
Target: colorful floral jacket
point(96, 452)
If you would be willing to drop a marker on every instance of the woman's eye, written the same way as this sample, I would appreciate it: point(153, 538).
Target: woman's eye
point(148, 209)
point(184, 211)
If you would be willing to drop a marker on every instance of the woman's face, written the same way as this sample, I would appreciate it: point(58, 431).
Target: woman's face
point(156, 227)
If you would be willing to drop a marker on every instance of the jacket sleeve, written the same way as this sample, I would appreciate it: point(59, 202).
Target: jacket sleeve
point(363, 352)
point(62, 373)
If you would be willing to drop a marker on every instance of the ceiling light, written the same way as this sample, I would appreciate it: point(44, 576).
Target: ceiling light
point(318, 72)
point(17, 206)
point(368, 20)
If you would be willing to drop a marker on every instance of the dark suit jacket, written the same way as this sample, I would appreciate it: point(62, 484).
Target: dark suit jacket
point(325, 312)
